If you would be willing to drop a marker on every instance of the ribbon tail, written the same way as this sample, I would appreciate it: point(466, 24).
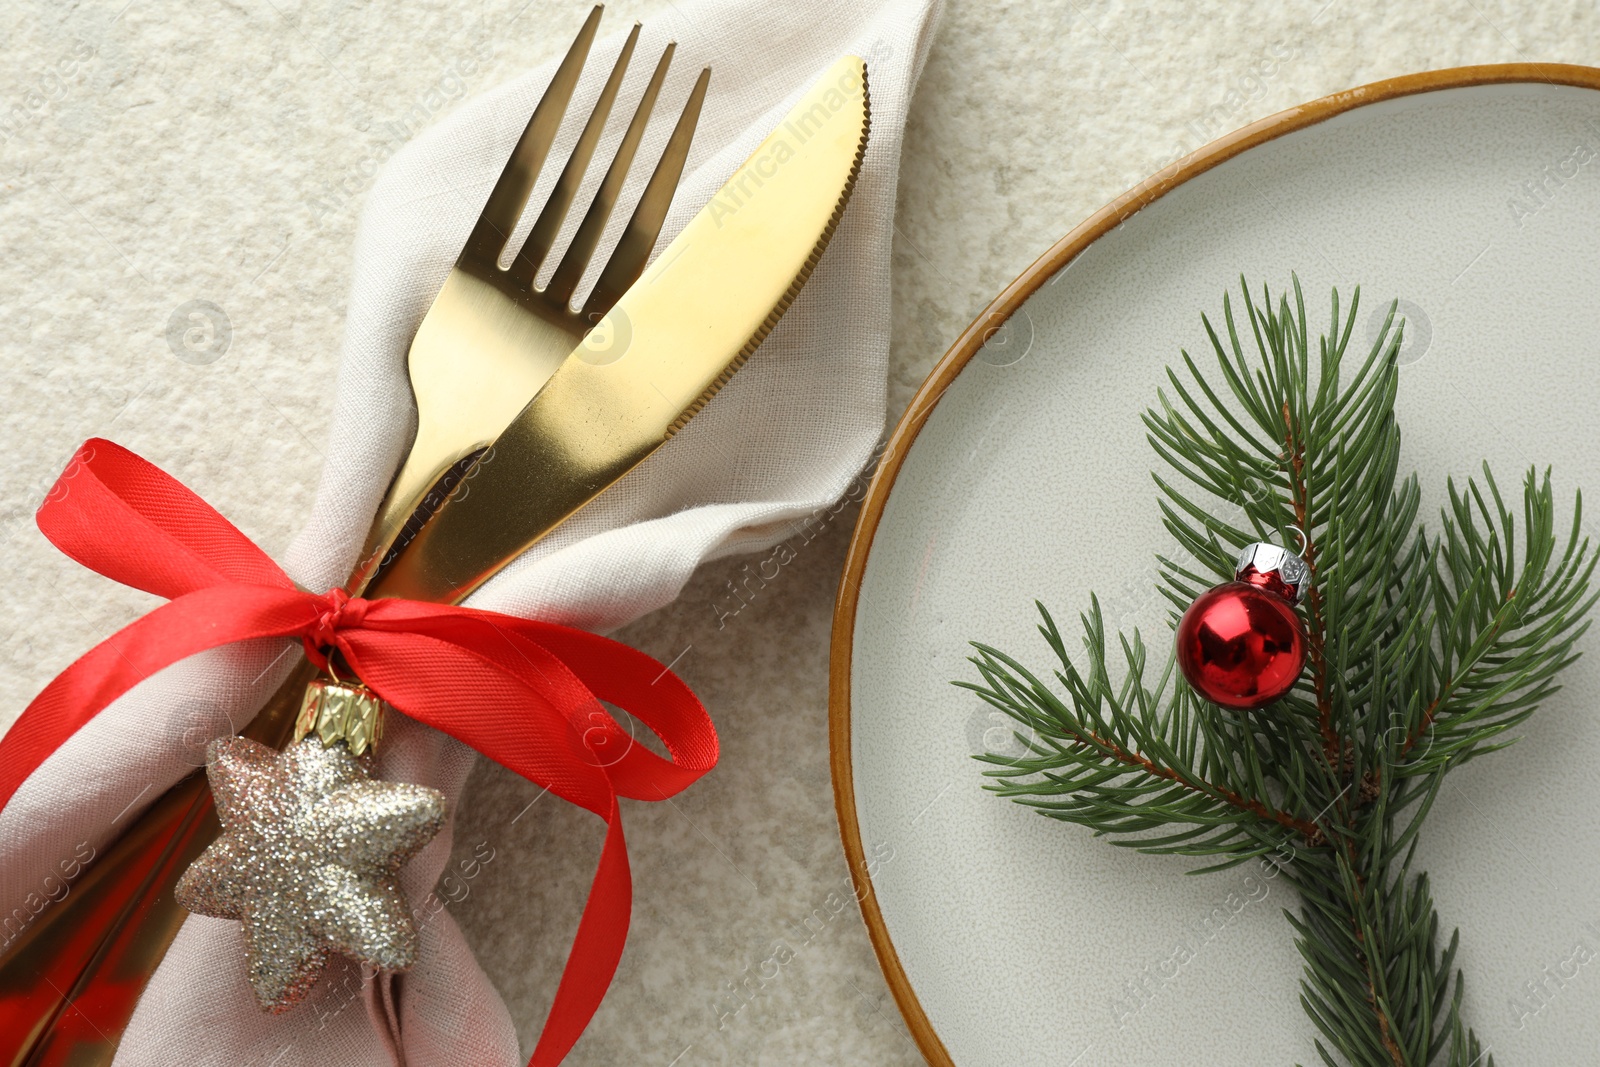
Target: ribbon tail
point(596, 949)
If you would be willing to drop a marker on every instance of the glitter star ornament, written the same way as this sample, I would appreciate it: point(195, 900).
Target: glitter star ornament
point(310, 850)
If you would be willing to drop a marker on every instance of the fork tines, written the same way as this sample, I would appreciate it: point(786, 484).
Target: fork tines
point(486, 246)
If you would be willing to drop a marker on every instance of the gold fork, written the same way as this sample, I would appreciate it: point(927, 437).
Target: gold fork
point(492, 337)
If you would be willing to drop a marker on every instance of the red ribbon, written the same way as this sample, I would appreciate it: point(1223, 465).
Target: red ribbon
point(524, 693)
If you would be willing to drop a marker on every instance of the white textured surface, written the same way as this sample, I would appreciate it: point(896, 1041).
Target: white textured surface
point(216, 151)
point(1029, 941)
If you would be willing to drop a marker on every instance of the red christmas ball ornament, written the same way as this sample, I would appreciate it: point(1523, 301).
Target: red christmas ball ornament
point(1242, 644)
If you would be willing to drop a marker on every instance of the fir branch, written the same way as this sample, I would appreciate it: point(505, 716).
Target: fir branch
point(1425, 651)
point(1083, 753)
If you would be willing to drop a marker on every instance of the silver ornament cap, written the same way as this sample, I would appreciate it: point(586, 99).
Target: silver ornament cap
point(1274, 568)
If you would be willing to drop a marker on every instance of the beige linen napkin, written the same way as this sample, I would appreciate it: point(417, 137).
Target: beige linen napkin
point(783, 439)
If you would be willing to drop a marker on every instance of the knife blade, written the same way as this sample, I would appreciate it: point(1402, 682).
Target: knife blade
point(662, 352)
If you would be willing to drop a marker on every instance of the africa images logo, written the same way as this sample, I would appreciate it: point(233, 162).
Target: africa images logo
point(764, 165)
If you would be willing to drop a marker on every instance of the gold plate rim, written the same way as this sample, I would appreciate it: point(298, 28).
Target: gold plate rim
point(968, 343)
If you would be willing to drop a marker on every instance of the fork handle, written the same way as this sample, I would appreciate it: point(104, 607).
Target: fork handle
point(418, 485)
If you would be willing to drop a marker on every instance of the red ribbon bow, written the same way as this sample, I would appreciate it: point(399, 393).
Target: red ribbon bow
point(524, 693)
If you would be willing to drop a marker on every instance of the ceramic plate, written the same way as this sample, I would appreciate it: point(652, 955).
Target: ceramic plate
point(1022, 471)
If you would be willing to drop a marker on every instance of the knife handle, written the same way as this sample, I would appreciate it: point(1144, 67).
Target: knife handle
point(69, 984)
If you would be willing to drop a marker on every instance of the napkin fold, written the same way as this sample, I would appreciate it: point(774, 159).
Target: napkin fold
point(783, 439)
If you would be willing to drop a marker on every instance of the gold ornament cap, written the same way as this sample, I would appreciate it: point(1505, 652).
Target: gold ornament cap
point(340, 711)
